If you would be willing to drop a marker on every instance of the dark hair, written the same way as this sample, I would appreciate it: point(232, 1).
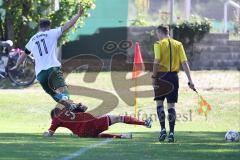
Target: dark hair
point(163, 28)
point(55, 112)
point(44, 23)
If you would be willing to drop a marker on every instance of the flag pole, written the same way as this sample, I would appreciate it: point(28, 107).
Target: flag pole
point(135, 99)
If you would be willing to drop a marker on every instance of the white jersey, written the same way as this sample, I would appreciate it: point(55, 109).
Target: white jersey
point(43, 46)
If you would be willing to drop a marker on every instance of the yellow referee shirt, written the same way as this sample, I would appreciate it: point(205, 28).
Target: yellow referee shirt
point(162, 52)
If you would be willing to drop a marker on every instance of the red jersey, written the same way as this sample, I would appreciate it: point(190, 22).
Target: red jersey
point(81, 124)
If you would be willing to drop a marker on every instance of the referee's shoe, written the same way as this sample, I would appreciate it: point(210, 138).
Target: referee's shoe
point(163, 135)
point(171, 137)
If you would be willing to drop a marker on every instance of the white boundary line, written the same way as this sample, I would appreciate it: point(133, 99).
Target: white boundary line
point(85, 149)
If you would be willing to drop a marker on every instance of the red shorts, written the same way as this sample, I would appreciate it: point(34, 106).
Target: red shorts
point(94, 127)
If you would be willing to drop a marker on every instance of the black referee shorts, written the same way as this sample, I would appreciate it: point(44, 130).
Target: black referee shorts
point(167, 84)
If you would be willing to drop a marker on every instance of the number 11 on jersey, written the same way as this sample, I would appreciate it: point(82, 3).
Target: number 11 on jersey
point(44, 46)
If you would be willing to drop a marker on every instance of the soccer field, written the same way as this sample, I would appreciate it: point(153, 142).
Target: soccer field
point(25, 116)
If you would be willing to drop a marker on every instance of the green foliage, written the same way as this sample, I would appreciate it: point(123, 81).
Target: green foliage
point(140, 20)
point(190, 32)
point(237, 22)
point(23, 16)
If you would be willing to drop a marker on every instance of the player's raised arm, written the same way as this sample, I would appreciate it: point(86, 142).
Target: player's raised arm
point(71, 23)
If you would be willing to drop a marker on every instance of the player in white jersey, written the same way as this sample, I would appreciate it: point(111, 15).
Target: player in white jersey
point(43, 46)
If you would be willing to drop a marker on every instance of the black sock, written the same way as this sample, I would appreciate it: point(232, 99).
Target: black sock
point(172, 119)
point(161, 116)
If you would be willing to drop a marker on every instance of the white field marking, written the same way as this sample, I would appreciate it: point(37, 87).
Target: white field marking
point(85, 149)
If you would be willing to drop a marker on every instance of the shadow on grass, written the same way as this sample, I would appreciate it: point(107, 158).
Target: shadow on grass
point(144, 145)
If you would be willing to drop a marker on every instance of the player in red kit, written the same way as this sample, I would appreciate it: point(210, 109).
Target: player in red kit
point(86, 125)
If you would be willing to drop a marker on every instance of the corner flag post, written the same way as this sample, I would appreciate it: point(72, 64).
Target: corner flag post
point(138, 68)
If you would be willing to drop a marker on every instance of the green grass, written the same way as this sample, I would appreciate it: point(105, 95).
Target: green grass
point(189, 145)
point(25, 116)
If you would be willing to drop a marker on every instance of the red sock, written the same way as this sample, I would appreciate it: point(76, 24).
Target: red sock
point(132, 120)
point(103, 135)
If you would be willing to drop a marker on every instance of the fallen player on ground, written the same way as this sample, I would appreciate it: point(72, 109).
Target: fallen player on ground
point(86, 125)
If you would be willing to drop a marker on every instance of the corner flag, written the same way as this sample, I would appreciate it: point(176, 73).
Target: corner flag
point(138, 65)
point(138, 68)
point(203, 106)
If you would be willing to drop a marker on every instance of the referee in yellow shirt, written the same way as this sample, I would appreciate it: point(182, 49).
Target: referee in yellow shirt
point(169, 55)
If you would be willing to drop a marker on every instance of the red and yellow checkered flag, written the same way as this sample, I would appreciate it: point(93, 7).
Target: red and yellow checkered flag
point(203, 106)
